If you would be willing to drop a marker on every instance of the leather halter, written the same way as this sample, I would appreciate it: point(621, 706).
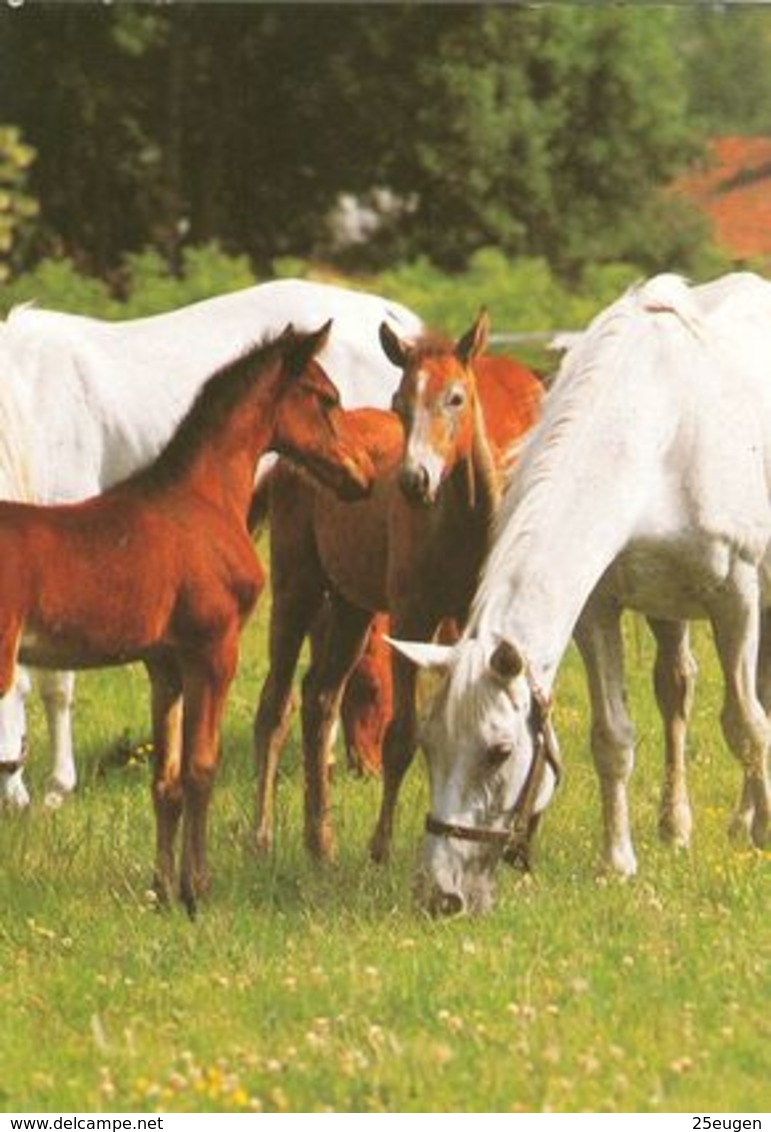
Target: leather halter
point(514, 839)
point(11, 766)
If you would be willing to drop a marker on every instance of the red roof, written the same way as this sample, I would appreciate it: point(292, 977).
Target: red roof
point(733, 187)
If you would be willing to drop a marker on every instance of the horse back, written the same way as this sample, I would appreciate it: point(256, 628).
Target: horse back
point(510, 395)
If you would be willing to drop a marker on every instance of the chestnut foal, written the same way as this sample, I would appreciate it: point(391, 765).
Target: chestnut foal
point(71, 594)
point(384, 554)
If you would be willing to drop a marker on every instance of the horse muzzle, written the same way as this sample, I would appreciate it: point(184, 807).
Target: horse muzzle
point(11, 766)
point(415, 485)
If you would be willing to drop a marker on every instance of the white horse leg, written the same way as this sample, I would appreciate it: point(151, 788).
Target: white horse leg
point(741, 821)
point(13, 742)
point(735, 616)
point(13, 792)
point(598, 636)
point(57, 691)
point(674, 677)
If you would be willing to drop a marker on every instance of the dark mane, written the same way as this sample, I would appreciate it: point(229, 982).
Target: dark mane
point(216, 399)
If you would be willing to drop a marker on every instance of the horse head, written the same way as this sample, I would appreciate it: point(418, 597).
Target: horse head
point(311, 427)
point(436, 401)
point(493, 765)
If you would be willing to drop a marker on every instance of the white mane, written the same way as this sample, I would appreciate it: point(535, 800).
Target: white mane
point(623, 345)
point(17, 470)
point(610, 351)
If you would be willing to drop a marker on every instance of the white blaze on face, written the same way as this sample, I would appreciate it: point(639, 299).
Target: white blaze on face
point(420, 452)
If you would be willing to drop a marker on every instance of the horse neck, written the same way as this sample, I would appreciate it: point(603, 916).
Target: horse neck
point(560, 525)
point(476, 473)
point(221, 466)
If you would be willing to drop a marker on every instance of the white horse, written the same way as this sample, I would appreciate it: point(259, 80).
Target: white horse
point(85, 403)
point(647, 485)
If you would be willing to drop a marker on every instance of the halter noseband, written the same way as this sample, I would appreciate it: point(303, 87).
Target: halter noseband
point(514, 840)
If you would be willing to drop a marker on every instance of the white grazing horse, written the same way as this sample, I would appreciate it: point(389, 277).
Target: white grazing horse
point(85, 403)
point(647, 485)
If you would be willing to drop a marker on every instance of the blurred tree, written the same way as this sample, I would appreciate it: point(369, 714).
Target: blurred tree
point(17, 207)
point(727, 52)
point(544, 131)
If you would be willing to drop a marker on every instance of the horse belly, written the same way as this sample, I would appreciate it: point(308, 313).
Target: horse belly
point(670, 581)
point(353, 545)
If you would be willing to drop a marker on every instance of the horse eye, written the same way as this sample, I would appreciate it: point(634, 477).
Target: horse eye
point(457, 399)
point(497, 754)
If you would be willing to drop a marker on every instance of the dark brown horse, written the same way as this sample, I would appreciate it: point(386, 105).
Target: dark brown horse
point(418, 563)
point(71, 594)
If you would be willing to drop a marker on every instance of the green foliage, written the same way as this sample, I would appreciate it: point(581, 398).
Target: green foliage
point(148, 284)
point(17, 208)
point(204, 272)
point(57, 283)
point(727, 50)
point(546, 131)
point(302, 988)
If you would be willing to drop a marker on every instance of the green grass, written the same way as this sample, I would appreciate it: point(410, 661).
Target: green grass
point(302, 988)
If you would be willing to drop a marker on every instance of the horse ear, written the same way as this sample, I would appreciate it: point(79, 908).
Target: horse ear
point(394, 348)
point(423, 654)
point(506, 662)
point(306, 347)
point(474, 341)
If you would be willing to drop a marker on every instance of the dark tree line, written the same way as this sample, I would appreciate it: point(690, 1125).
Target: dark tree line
point(540, 130)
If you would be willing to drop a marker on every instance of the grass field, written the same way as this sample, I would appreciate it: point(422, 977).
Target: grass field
point(303, 988)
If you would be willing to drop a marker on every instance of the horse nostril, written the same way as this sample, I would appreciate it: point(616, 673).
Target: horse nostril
point(447, 904)
point(414, 483)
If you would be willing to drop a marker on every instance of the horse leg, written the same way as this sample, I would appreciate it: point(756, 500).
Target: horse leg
point(293, 611)
point(401, 737)
point(57, 690)
point(322, 691)
point(206, 678)
point(742, 818)
point(735, 616)
point(12, 719)
point(598, 636)
point(367, 705)
point(166, 708)
point(674, 677)
point(13, 743)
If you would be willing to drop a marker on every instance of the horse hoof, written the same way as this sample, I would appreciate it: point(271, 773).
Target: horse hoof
point(379, 850)
point(54, 798)
point(675, 832)
point(190, 904)
point(739, 829)
point(619, 863)
point(320, 845)
point(15, 798)
point(759, 831)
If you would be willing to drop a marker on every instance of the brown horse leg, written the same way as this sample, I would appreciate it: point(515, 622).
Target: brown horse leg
point(291, 617)
point(298, 592)
point(398, 752)
point(166, 706)
point(10, 635)
point(206, 679)
point(367, 704)
point(321, 694)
